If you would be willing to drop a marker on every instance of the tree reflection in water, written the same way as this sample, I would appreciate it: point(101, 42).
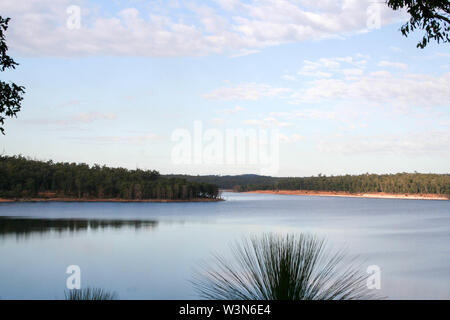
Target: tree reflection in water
point(25, 227)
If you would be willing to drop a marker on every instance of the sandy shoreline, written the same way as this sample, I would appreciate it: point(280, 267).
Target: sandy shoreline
point(379, 195)
point(103, 200)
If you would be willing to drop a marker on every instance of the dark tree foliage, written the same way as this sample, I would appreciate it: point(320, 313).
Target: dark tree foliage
point(10, 93)
point(21, 177)
point(432, 16)
point(414, 183)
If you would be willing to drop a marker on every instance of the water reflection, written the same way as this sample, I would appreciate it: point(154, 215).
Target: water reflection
point(25, 227)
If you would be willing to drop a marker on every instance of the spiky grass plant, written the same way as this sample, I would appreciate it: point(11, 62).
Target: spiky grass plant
point(89, 294)
point(274, 267)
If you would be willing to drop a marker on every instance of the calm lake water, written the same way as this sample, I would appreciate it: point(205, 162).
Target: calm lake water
point(150, 250)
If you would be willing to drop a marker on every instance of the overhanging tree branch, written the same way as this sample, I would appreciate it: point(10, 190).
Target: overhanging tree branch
point(428, 15)
point(11, 95)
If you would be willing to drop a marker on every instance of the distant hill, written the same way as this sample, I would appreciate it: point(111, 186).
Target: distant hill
point(229, 182)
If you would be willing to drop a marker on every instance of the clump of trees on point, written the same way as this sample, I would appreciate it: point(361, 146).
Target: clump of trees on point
point(22, 177)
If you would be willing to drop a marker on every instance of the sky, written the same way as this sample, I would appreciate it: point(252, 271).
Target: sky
point(335, 82)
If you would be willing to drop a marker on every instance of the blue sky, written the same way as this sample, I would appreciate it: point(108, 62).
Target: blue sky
point(344, 97)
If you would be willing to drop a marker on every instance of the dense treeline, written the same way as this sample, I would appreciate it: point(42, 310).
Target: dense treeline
point(414, 183)
point(21, 177)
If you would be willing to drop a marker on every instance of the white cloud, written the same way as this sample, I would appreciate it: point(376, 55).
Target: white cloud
point(135, 139)
point(411, 144)
point(267, 122)
point(233, 110)
point(380, 88)
point(288, 77)
point(352, 73)
point(346, 81)
point(346, 117)
point(445, 123)
point(327, 67)
point(217, 121)
point(69, 103)
point(395, 49)
point(82, 118)
point(318, 74)
point(237, 27)
point(381, 73)
point(296, 137)
point(244, 52)
point(91, 117)
point(443, 54)
point(390, 64)
point(245, 91)
point(293, 138)
point(307, 114)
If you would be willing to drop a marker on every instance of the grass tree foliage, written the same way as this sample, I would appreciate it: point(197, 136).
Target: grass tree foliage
point(276, 267)
point(90, 294)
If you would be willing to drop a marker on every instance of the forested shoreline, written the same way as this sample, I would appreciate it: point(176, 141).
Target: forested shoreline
point(24, 178)
point(400, 183)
